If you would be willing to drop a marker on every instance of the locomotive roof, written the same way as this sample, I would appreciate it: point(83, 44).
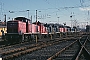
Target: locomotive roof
point(38, 23)
point(21, 18)
point(87, 25)
point(67, 26)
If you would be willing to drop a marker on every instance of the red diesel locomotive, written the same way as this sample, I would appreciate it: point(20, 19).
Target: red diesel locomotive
point(21, 29)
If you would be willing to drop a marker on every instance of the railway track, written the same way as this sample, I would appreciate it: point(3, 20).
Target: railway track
point(45, 53)
point(15, 51)
point(12, 51)
point(75, 51)
point(83, 53)
point(67, 53)
point(66, 50)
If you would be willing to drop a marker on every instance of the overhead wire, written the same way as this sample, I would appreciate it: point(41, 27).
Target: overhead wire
point(58, 9)
point(81, 2)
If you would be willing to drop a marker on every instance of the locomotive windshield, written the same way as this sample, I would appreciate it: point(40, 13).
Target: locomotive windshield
point(12, 26)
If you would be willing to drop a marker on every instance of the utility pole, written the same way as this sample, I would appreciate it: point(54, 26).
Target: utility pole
point(31, 24)
point(37, 28)
point(58, 19)
point(71, 20)
point(31, 18)
point(28, 12)
point(88, 17)
point(36, 15)
point(5, 19)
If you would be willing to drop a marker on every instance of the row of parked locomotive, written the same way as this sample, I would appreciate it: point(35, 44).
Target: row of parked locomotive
point(21, 29)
